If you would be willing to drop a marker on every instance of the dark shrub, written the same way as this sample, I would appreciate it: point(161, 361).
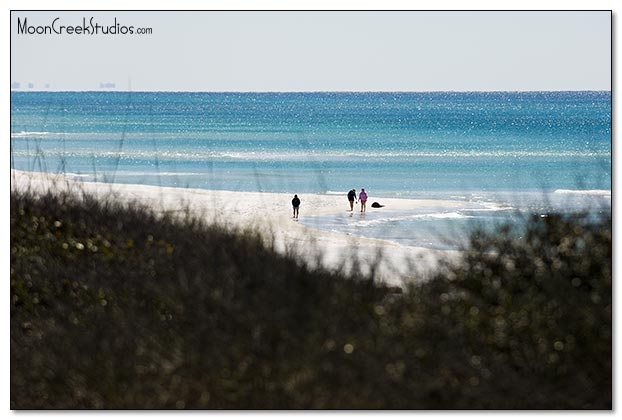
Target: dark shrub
point(115, 307)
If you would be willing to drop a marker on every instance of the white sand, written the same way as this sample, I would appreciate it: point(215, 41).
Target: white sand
point(271, 213)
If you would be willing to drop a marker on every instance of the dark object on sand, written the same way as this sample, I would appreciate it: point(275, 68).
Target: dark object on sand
point(376, 205)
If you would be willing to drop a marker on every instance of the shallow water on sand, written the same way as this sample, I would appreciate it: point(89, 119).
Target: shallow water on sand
point(447, 227)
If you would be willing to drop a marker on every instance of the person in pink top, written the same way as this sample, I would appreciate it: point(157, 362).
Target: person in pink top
point(363, 199)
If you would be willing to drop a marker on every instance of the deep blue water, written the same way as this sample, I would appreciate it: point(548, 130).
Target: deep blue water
point(500, 149)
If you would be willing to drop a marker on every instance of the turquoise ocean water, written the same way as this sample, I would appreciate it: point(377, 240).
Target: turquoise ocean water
point(500, 151)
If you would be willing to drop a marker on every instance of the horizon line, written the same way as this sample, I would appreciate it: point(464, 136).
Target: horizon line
point(301, 91)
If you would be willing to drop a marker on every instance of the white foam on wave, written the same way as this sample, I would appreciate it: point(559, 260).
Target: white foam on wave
point(487, 206)
point(451, 215)
point(31, 134)
point(585, 192)
point(129, 173)
point(298, 155)
point(354, 154)
point(154, 173)
point(425, 216)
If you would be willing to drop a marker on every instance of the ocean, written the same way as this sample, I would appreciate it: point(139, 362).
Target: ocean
point(502, 152)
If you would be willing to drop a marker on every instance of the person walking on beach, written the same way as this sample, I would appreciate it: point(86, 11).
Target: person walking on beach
point(363, 199)
point(296, 205)
point(351, 198)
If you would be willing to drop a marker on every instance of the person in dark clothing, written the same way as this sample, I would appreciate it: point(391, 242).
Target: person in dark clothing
point(351, 198)
point(296, 205)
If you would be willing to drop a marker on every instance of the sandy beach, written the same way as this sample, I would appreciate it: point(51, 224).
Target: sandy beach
point(271, 214)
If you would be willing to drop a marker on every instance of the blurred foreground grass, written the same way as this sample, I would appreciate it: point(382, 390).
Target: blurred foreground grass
point(114, 307)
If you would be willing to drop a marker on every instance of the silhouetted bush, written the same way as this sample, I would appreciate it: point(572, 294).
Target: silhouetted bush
point(115, 307)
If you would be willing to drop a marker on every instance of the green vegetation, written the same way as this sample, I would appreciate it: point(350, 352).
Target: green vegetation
point(114, 307)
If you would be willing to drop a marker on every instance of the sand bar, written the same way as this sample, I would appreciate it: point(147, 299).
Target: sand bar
point(271, 214)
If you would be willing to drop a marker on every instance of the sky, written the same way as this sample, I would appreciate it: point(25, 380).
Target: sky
point(317, 51)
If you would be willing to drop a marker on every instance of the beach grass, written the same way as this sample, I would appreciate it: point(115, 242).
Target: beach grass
point(116, 307)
